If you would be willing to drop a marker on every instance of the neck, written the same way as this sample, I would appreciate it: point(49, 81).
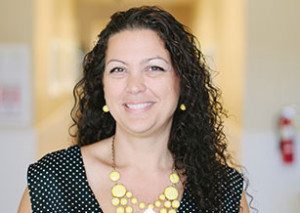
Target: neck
point(136, 152)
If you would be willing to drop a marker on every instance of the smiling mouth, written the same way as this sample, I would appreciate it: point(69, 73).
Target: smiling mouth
point(139, 105)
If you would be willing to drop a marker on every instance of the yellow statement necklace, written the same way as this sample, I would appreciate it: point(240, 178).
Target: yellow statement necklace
point(123, 199)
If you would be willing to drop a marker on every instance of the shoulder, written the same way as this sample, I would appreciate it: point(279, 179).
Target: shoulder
point(234, 177)
point(57, 183)
point(231, 186)
point(54, 166)
point(231, 179)
point(53, 160)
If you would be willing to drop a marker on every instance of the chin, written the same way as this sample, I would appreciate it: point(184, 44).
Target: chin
point(138, 128)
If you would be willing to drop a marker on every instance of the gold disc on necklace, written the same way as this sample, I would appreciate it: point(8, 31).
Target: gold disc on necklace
point(115, 201)
point(120, 209)
point(123, 201)
point(151, 206)
point(171, 193)
point(162, 197)
point(134, 200)
point(174, 178)
point(167, 204)
point(118, 190)
point(128, 194)
point(157, 203)
point(128, 209)
point(175, 204)
point(142, 205)
point(114, 175)
point(163, 210)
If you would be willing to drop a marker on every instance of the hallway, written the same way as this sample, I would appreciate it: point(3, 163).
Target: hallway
point(253, 47)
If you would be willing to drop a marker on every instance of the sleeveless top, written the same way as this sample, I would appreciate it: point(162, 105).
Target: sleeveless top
point(58, 183)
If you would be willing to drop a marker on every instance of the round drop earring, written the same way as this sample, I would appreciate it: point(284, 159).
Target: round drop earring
point(105, 108)
point(182, 107)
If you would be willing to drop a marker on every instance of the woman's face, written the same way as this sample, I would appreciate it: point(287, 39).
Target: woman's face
point(140, 85)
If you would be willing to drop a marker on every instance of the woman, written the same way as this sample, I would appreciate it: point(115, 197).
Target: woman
point(149, 129)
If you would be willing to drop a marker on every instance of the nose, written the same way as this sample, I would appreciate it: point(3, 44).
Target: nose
point(135, 83)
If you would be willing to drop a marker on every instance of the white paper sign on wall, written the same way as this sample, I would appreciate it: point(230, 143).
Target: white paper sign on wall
point(15, 85)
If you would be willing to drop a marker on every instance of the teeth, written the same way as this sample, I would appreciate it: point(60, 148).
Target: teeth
point(138, 106)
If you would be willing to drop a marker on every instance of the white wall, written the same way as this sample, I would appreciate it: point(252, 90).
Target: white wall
point(17, 152)
point(275, 186)
point(272, 81)
point(24, 140)
point(21, 147)
point(273, 61)
point(18, 139)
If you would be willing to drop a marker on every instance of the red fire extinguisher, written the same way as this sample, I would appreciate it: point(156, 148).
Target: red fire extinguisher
point(287, 135)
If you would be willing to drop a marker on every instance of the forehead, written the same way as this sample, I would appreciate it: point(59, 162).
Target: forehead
point(137, 42)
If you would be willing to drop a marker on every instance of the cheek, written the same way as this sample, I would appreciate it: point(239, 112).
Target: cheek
point(112, 92)
point(169, 89)
point(107, 88)
point(175, 86)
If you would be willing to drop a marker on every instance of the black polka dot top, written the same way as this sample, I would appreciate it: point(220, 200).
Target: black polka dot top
point(58, 183)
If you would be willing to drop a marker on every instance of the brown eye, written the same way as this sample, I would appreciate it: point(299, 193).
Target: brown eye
point(117, 70)
point(156, 68)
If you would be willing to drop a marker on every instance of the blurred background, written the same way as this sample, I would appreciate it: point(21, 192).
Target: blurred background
point(253, 45)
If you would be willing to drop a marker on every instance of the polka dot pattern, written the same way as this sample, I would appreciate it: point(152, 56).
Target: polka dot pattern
point(58, 183)
point(230, 200)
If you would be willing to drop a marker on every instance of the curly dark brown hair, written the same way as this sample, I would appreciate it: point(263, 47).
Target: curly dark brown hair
point(197, 141)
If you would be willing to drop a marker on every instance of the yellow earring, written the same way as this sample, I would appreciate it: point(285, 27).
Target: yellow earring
point(105, 108)
point(182, 107)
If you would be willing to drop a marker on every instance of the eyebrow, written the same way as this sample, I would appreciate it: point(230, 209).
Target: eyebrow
point(116, 60)
point(153, 58)
point(143, 61)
